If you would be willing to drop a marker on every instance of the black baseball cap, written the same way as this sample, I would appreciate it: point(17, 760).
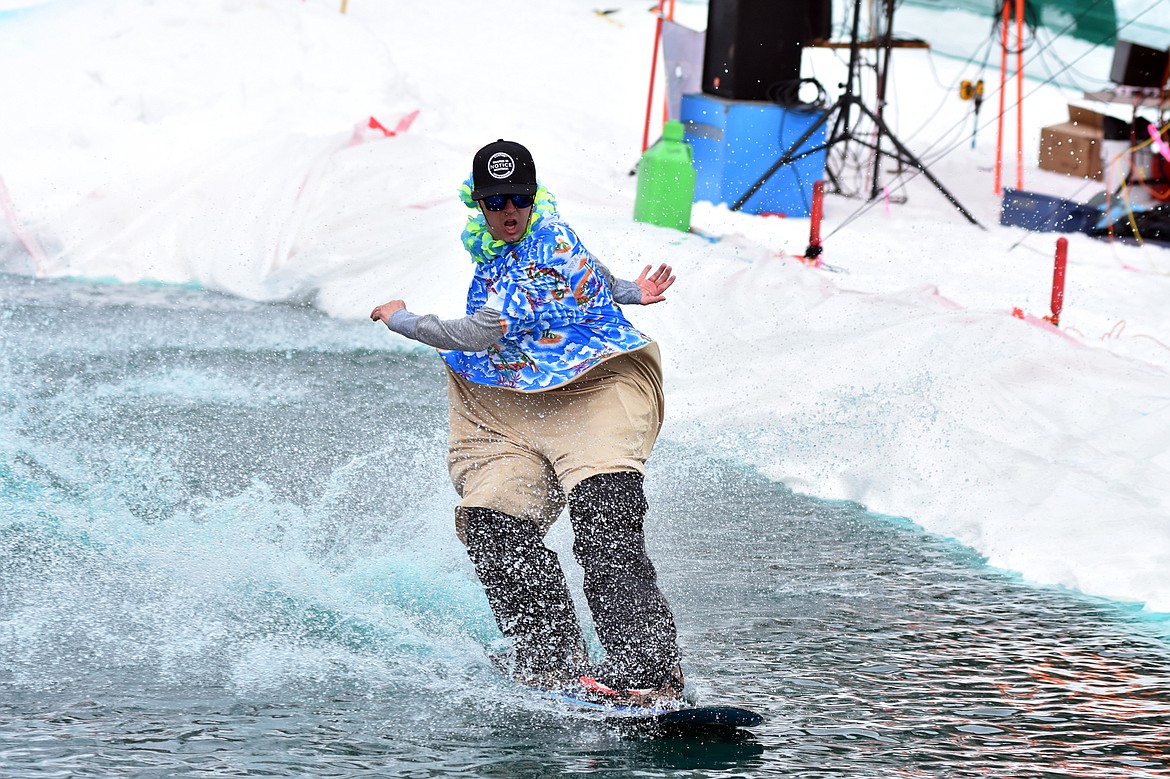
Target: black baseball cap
point(502, 168)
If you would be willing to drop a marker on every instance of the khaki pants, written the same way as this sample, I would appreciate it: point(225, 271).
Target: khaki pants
point(521, 453)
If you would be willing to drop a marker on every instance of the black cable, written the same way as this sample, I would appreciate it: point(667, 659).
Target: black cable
point(994, 38)
point(993, 42)
point(787, 94)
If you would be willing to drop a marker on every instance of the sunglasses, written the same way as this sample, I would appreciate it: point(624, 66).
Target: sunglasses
point(497, 202)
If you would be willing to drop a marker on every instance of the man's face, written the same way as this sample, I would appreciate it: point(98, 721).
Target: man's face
point(508, 224)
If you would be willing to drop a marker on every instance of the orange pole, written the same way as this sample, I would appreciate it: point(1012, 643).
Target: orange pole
point(666, 97)
point(1019, 94)
point(1058, 270)
point(653, 73)
point(814, 229)
point(1002, 89)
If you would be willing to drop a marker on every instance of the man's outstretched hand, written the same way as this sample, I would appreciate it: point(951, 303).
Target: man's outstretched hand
point(654, 285)
point(386, 310)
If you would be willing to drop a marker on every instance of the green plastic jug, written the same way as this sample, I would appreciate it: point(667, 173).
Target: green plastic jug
point(666, 181)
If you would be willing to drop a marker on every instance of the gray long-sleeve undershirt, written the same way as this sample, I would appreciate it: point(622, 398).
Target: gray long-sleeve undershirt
point(478, 331)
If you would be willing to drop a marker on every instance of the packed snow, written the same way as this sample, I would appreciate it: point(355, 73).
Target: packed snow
point(229, 144)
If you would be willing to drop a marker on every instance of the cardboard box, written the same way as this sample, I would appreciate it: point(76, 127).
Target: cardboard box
point(1073, 147)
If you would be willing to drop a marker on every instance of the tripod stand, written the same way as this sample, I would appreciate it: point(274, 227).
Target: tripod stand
point(842, 131)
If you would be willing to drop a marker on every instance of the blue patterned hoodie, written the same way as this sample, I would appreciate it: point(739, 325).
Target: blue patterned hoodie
point(558, 316)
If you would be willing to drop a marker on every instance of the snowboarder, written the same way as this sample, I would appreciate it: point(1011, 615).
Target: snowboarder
point(553, 397)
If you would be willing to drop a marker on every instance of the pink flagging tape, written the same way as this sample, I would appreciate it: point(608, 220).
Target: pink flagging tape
point(403, 124)
point(376, 125)
point(316, 170)
point(1159, 144)
point(1044, 324)
point(27, 241)
point(360, 129)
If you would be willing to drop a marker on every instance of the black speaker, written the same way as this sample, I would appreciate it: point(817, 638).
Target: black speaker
point(753, 47)
point(1135, 65)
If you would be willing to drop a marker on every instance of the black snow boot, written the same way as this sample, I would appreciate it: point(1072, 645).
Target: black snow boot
point(526, 589)
point(632, 618)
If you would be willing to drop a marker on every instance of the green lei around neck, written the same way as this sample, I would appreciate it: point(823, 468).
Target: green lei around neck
point(478, 240)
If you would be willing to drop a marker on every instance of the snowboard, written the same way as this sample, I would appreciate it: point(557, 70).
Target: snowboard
point(683, 722)
point(689, 721)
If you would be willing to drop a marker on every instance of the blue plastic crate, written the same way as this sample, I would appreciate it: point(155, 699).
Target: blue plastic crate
point(736, 141)
point(1046, 214)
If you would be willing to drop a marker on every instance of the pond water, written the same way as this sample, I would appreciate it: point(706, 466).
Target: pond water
point(226, 550)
